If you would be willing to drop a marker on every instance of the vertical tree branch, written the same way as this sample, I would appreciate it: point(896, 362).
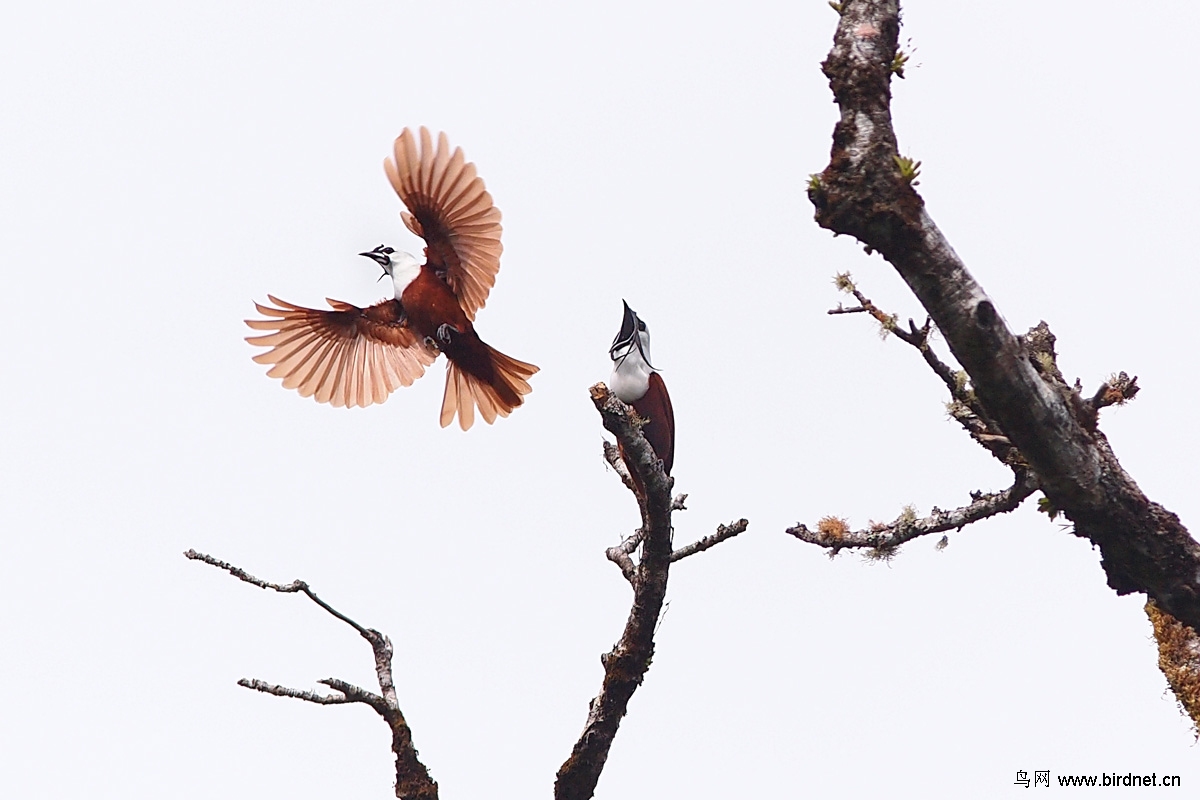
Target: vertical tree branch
point(626, 664)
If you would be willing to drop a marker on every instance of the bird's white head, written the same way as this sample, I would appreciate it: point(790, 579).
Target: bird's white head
point(402, 267)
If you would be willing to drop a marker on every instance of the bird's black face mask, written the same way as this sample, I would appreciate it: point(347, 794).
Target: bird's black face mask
point(380, 256)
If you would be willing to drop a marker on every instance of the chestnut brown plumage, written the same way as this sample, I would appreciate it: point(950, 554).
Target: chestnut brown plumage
point(351, 356)
point(635, 381)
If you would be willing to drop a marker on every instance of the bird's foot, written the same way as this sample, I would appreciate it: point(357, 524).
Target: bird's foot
point(444, 333)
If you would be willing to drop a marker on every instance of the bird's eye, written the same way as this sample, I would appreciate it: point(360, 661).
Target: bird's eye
point(388, 250)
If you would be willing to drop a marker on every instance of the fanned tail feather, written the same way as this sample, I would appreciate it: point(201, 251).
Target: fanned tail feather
point(466, 392)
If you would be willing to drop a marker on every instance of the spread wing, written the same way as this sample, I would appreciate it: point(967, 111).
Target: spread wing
point(349, 356)
point(448, 208)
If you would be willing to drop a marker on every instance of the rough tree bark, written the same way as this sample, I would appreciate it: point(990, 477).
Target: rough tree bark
point(626, 664)
point(1016, 394)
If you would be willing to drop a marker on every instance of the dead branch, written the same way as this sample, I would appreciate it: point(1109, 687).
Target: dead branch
point(1116, 391)
point(620, 555)
point(613, 456)
point(835, 534)
point(964, 407)
point(712, 540)
point(626, 664)
point(867, 192)
point(412, 778)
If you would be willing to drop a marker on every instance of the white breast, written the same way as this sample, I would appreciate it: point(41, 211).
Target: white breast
point(405, 269)
point(630, 377)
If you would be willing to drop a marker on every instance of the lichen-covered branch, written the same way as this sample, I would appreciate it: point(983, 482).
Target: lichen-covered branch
point(412, 778)
point(1179, 660)
point(882, 540)
point(626, 664)
point(867, 192)
point(1116, 391)
point(964, 407)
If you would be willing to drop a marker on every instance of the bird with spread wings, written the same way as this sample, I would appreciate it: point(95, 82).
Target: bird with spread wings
point(351, 356)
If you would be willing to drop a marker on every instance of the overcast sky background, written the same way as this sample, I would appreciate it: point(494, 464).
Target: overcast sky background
point(166, 164)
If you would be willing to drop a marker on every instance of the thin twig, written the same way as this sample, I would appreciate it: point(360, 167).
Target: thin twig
point(299, 694)
point(964, 407)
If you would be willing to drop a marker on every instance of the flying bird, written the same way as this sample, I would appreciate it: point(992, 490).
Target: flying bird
point(636, 382)
point(351, 356)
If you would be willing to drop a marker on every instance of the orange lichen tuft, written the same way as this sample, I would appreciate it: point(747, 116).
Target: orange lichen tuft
point(832, 529)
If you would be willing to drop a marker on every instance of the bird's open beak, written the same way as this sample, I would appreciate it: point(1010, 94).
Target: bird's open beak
point(628, 332)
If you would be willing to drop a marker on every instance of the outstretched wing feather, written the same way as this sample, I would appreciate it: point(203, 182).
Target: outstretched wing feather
point(449, 207)
point(347, 356)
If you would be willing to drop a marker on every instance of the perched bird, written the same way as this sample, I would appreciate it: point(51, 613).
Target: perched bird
point(353, 356)
point(636, 382)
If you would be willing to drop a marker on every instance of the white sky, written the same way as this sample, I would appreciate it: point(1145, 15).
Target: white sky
point(165, 164)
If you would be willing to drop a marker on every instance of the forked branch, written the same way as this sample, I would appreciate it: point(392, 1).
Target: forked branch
point(412, 778)
point(626, 664)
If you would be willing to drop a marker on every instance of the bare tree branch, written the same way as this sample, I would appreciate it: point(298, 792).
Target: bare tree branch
point(619, 555)
point(412, 778)
point(613, 456)
point(712, 540)
point(836, 535)
point(626, 664)
point(867, 192)
point(964, 407)
point(299, 694)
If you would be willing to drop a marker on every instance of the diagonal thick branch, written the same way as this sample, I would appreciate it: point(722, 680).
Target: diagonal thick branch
point(412, 778)
point(865, 192)
point(626, 664)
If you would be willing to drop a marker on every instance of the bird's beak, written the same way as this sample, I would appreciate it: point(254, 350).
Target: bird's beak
point(628, 332)
point(378, 258)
